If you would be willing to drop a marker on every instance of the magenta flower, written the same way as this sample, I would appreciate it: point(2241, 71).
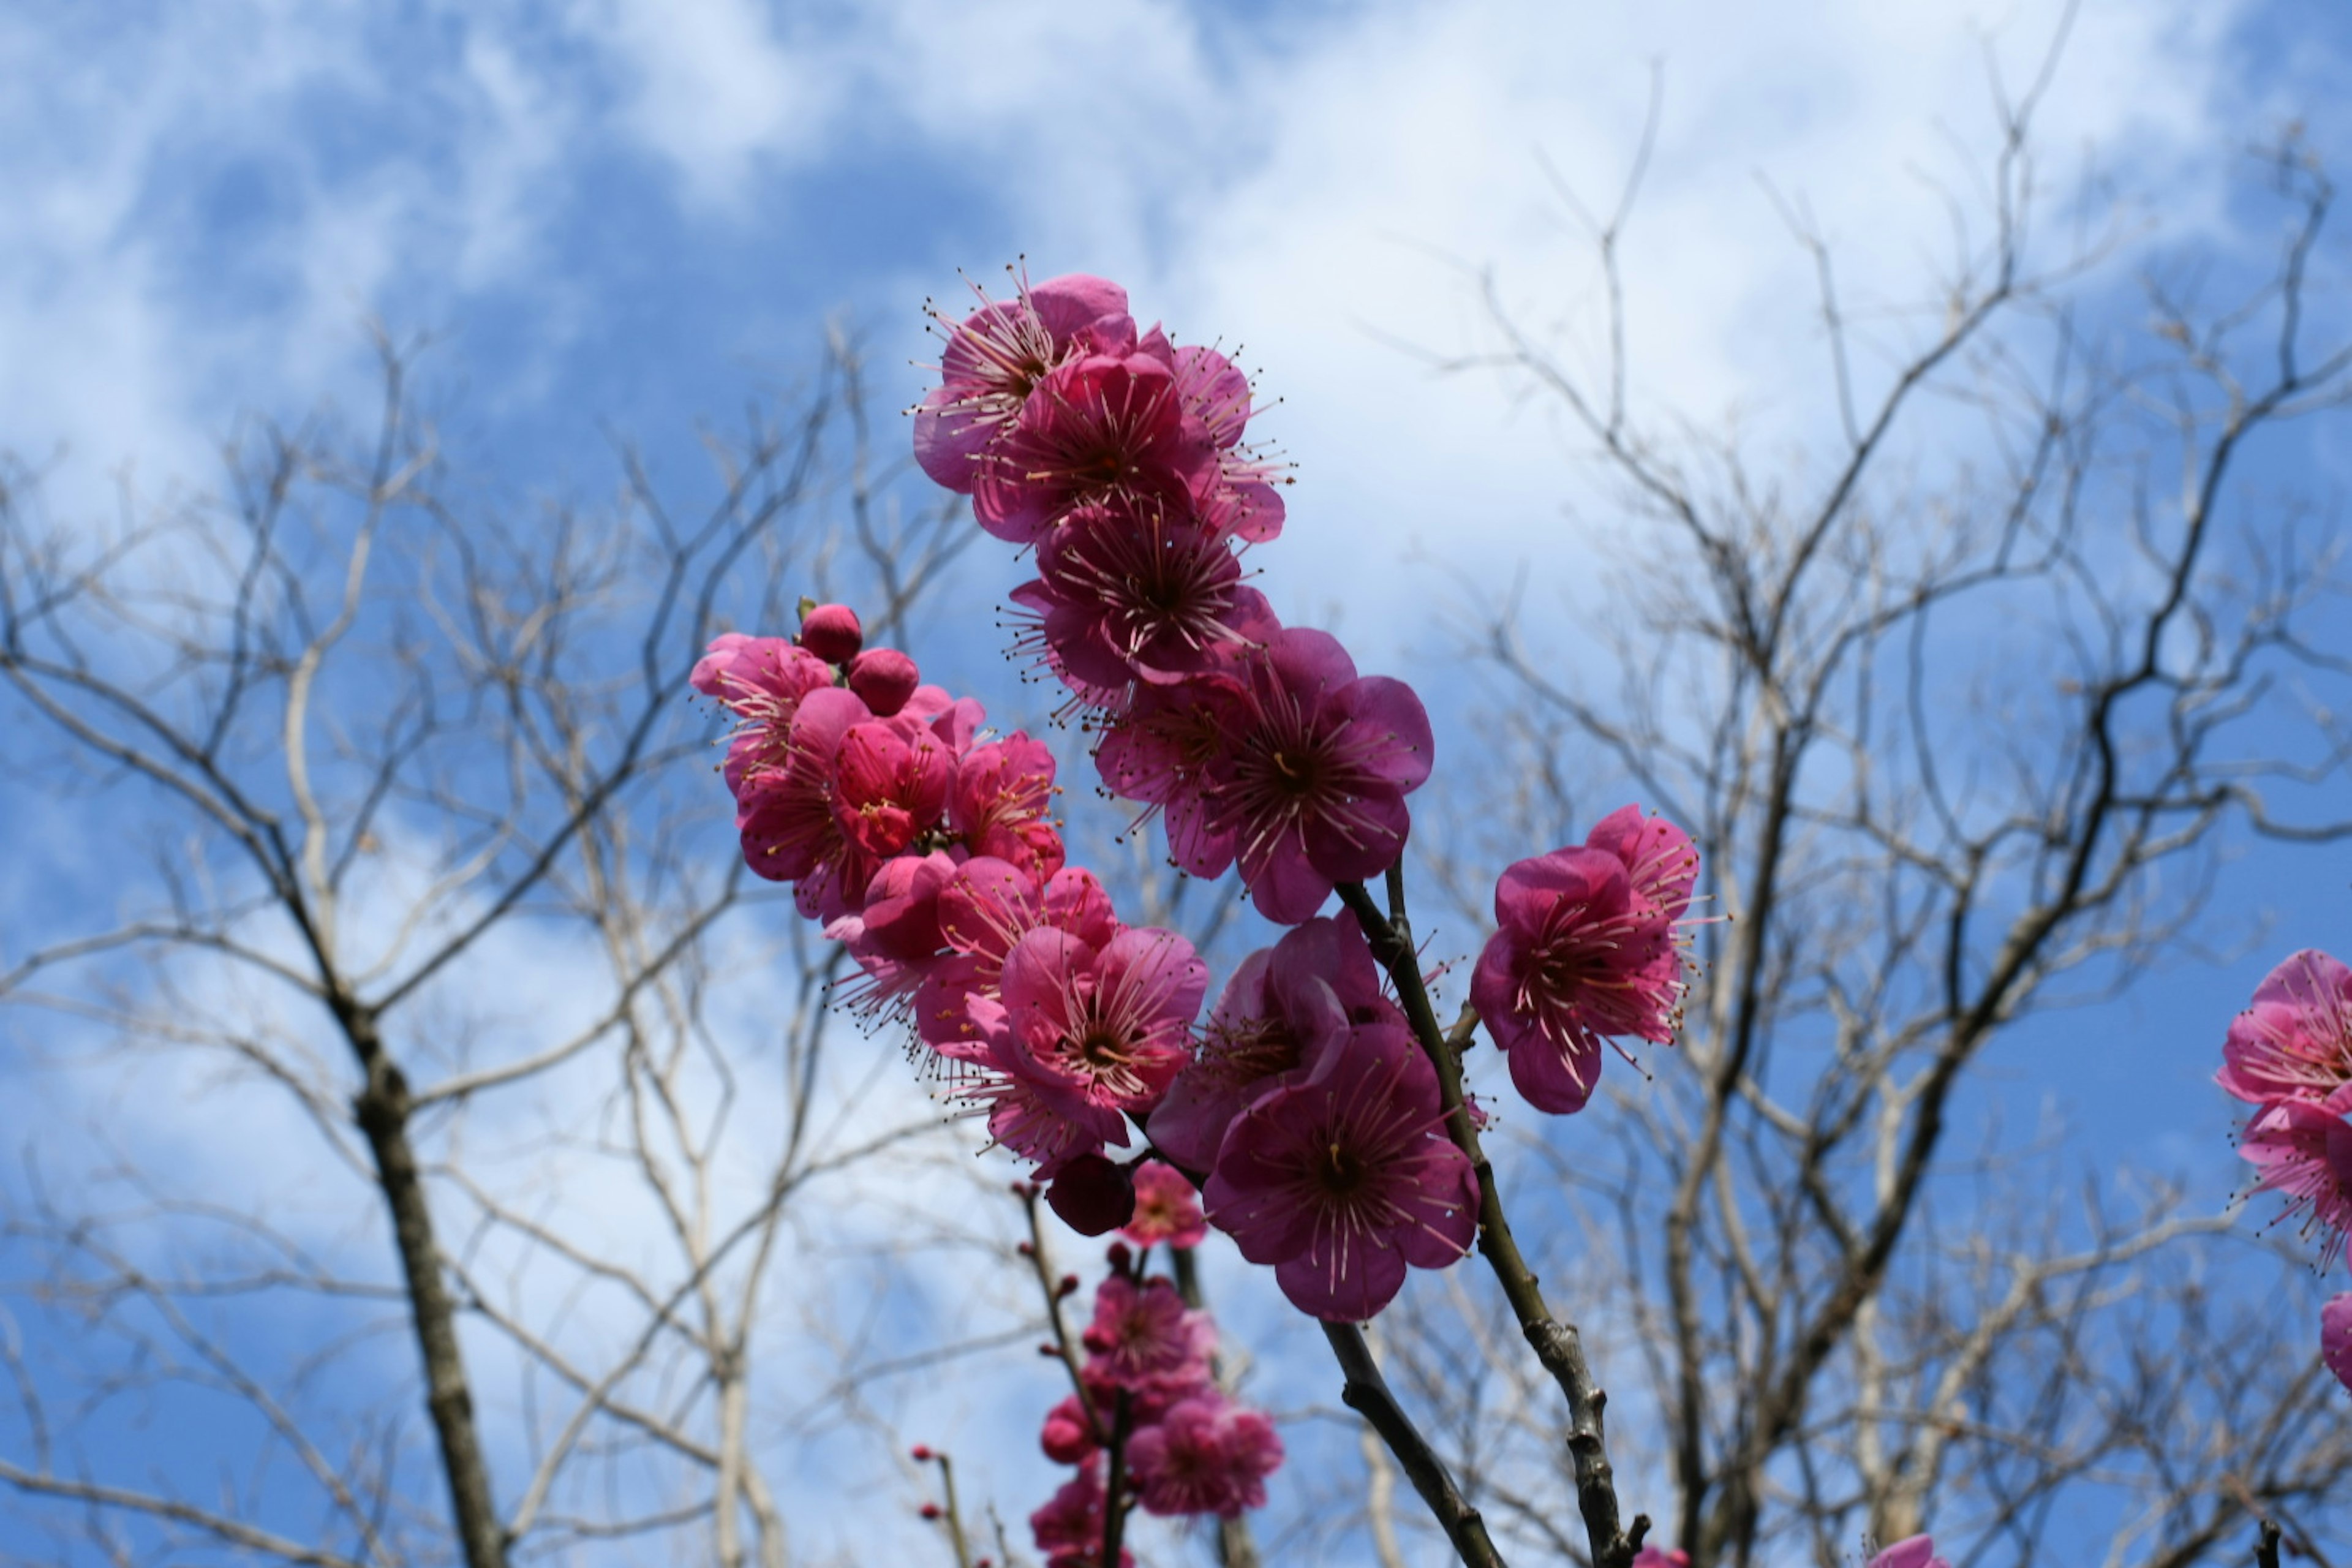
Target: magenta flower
point(1282, 1007)
point(896, 937)
point(1069, 1529)
point(1110, 1024)
point(2303, 1149)
point(1055, 1127)
point(760, 680)
point(987, 907)
point(996, 355)
point(787, 817)
point(1137, 593)
point(1341, 1179)
point(1915, 1552)
point(1305, 779)
point(1143, 1338)
point(2335, 1337)
point(1584, 949)
point(1167, 1208)
point(1003, 793)
point(2296, 1041)
point(1068, 1437)
point(1161, 749)
point(1245, 500)
point(892, 778)
point(1206, 1455)
point(1653, 1557)
point(1102, 428)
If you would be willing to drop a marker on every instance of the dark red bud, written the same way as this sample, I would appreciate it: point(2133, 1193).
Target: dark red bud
point(920, 1452)
point(1121, 1259)
point(1093, 1196)
point(884, 678)
point(1069, 1285)
point(1026, 1250)
point(930, 1510)
point(831, 633)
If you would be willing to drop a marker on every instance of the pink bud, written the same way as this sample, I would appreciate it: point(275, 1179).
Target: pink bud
point(884, 678)
point(831, 633)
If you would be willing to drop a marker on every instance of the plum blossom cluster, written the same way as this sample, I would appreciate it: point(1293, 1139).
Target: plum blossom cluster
point(1117, 457)
point(2289, 1055)
point(1306, 1108)
point(1145, 1414)
point(929, 850)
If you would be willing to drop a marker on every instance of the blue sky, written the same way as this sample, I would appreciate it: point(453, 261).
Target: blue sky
point(621, 216)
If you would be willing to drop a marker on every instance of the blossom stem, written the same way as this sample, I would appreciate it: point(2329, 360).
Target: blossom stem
point(1236, 1544)
point(1367, 1394)
point(954, 1519)
point(1115, 1505)
point(1557, 1345)
point(1044, 1267)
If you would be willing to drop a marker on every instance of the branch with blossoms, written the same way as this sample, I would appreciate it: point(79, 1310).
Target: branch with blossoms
point(1319, 1109)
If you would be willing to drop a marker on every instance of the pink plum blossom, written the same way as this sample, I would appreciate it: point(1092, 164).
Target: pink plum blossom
point(1160, 748)
point(1137, 592)
point(2335, 1337)
point(1245, 498)
point(1914, 1551)
point(988, 906)
point(1584, 949)
point(1001, 801)
point(1343, 1178)
point(1143, 1337)
point(2303, 1149)
point(1102, 428)
point(1307, 784)
point(896, 937)
point(2296, 1041)
point(788, 818)
point(1111, 1023)
point(1056, 1129)
point(1282, 1007)
point(1206, 1455)
point(761, 681)
point(1167, 1208)
point(891, 782)
point(996, 355)
point(1069, 1436)
point(1069, 1529)
point(1657, 1557)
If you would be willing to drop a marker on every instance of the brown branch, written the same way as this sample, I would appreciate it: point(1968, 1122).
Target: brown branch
point(1557, 1345)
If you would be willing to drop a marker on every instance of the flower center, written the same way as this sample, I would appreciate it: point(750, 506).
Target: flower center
point(1099, 1048)
point(1342, 1173)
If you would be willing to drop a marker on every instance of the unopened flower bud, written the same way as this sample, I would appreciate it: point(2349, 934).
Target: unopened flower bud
point(1069, 1285)
point(920, 1452)
point(884, 678)
point(831, 633)
point(930, 1510)
point(1121, 1259)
